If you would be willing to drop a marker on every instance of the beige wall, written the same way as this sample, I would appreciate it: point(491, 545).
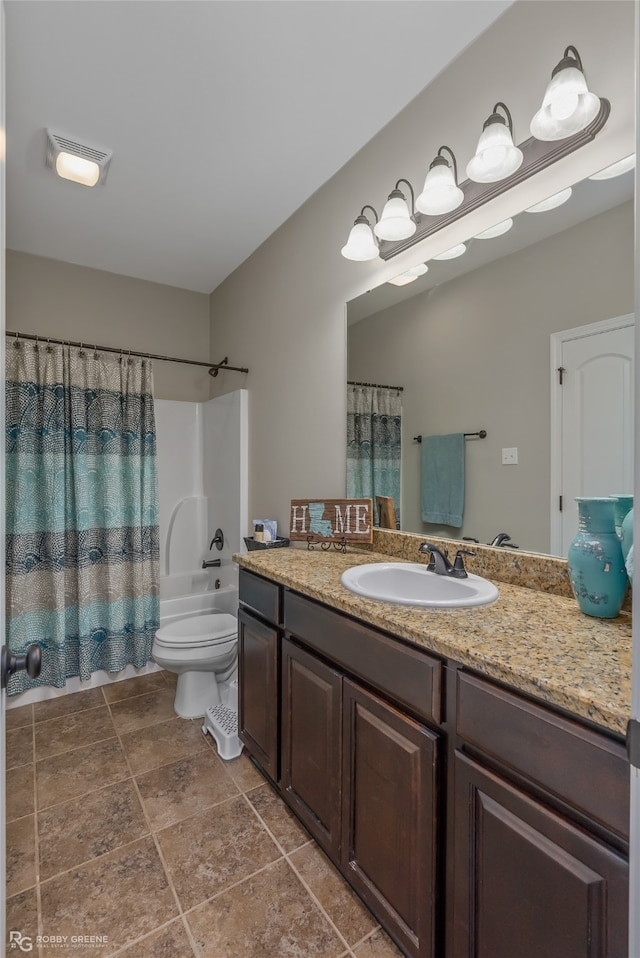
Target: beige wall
point(49, 298)
point(474, 353)
point(282, 313)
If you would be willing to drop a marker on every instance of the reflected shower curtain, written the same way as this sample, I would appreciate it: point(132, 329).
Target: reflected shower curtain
point(82, 556)
point(374, 419)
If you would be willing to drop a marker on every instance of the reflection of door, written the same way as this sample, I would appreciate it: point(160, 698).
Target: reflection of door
point(592, 419)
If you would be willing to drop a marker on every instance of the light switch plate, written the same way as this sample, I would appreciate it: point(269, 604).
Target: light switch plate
point(510, 456)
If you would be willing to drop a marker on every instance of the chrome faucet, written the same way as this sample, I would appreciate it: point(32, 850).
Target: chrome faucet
point(440, 563)
point(211, 563)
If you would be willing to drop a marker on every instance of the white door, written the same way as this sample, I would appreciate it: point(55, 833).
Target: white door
point(592, 419)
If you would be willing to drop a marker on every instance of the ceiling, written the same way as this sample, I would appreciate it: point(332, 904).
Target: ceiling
point(224, 117)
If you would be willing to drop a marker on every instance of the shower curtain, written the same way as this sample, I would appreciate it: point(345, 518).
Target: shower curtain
point(374, 420)
point(82, 551)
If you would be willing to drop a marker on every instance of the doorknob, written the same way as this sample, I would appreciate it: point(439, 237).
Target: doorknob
point(10, 663)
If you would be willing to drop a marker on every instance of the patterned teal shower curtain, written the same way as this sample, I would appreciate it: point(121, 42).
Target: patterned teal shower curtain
point(374, 422)
point(82, 551)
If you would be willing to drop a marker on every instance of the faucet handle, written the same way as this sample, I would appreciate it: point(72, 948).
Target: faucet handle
point(458, 565)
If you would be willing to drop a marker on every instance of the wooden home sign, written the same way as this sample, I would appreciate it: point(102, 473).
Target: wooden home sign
point(331, 520)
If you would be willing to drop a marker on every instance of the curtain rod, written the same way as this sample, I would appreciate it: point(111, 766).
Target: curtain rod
point(353, 382)
point(214, 368)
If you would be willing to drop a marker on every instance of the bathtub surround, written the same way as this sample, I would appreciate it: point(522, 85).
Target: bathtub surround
point(202, 485)
point(82, 511)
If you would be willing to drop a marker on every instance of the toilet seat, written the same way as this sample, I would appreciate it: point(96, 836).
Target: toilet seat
point(198, 631)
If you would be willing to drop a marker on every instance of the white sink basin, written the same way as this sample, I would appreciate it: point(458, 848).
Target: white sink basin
point(409, 583)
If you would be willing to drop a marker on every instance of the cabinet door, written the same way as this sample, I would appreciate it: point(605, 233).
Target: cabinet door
point(311, 743)
point(390, 816)
point(527, 882)
point(258, 690)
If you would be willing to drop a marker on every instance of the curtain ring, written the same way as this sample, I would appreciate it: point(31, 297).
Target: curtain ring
point(16, 342)
point(49, 350)
point(35, 345)
point(95, 351)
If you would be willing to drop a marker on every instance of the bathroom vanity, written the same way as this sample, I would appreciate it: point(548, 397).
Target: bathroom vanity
point(465, 770)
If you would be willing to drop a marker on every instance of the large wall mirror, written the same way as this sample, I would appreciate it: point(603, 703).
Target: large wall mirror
point(470, 343)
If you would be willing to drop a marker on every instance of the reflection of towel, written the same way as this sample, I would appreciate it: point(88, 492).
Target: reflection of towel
point(443, 479)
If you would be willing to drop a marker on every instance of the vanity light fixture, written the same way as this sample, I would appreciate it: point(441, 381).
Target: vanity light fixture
point(441, 193)
point(74, 161)
point(497, 166)
point(496, 155)
point(496, 230)
point(452, 253)
point(409, 275)
point(396, 221)
point(567, 106)
point(616, 169)
point(362, 244)
point(551, 202)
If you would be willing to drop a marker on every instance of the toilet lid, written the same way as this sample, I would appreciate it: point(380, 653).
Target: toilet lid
point(198, 630)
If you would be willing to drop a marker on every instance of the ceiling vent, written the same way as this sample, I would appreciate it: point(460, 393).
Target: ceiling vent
point(76, 161)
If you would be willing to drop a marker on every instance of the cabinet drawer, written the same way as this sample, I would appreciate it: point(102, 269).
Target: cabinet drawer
point(261, 595)
point(412, 678)
point(584, 768)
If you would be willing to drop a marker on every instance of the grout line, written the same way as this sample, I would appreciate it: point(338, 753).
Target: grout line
point(286, 855)
point(319, 903)
point(156, 842)
point(149, 934)
point(36, 838)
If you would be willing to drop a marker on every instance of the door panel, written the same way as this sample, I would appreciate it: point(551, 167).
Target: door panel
point(527, 882)
point(311, 743)
point(258, 691)
point(389, 816)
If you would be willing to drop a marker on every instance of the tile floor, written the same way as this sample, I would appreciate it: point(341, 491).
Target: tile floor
point(123, 824)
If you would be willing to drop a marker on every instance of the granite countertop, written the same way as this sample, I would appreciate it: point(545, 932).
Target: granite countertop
point(539, 643)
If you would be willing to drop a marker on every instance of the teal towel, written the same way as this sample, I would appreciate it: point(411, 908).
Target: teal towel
point(443, 479)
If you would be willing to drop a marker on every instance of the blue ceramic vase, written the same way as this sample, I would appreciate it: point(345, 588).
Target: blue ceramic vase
point(621, 506)
point(626, 533)
point(596, 564)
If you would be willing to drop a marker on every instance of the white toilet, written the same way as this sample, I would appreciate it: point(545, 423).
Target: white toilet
point(203, 650)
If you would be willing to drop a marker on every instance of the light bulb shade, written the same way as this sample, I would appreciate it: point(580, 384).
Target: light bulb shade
point(615, 169)
point(452, 253)
point(395, 222)
point(361, 245)
point(440, 194)
point(409, 275)
point(497, 230)
point(567, 106)
point(77, 168)
point(551, 202)
point(496, 156)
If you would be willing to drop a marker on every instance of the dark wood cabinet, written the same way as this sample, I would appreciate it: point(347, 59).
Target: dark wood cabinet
point(473, 820)
point(311, 743)
point(390, 819)
point(527, 881)
point(258, 690)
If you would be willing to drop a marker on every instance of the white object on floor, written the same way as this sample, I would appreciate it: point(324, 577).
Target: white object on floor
point(221, 722)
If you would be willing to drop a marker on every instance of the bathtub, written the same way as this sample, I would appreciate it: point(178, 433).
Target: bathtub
point(181, 596)
point(194, 593)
